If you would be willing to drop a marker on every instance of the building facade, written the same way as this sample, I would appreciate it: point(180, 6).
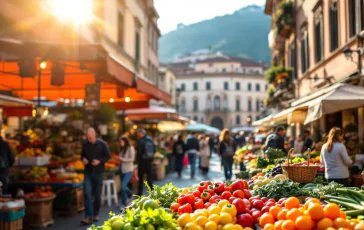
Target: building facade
point(223, 92)
point(167, 82)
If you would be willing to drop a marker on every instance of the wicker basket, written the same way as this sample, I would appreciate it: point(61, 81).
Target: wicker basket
point(302, 174)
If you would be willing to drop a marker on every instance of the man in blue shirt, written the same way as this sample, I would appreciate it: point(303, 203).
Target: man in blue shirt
point(95, 153)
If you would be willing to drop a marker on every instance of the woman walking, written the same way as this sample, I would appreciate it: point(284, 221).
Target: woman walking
point(227, 152)
point(126, 157)
point(179, 149)
point(204, 154)
point(335, 158)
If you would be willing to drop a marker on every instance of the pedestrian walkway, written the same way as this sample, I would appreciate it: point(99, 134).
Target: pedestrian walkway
point(215, 174)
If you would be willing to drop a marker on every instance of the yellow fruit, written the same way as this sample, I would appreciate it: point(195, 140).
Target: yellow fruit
point(219, 227)
point(247, 228)
point(238, 227)
point(215, 218)
point(185, 191)
point(191, 226)
point(214, 210)
point(184, 219)
point(222, 203)
point(199, 227)
point(201, 221)
point(226, 218)
point(196, 215)
point(210, 226)
point(229, 227)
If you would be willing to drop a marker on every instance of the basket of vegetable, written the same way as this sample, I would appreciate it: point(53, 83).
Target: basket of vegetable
point(301, 173)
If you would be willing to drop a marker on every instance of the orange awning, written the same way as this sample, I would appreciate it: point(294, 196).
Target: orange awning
point(151, 113)
point(144, 86)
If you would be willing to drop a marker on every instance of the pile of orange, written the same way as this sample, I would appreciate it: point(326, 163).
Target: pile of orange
point(311, 215)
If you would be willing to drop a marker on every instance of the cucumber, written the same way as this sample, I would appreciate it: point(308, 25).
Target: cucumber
point(348, 191)
point(344, 199)
point(353, 188)
point(353, 213)
point(348, 205)
point(355, 197)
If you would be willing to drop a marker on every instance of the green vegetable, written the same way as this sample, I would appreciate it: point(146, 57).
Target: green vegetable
point(360, 217)
point(353, 213)
point(347, 204)
point(165, 194)
point(273, 154)
point(352, 192)
point(344, 199)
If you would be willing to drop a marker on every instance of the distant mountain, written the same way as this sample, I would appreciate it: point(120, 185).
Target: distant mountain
point(241, 34)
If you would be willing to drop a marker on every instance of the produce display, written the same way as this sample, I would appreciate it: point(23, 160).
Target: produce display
point(40, 192)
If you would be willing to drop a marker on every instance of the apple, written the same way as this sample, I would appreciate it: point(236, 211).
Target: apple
point(240, 205)
point(231, 199)
point(272, 200)
point(248, 211)
point(247, 203)
point(281, 200)
point(265, 209)
point(256, 215)
point(258, 204)
point(239, 194)
point(270, 204)
point(245, 220)
point(264, 199)
point(226, 195)
point(247, 193)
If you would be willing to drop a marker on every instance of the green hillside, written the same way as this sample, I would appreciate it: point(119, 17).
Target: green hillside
point(242, 34)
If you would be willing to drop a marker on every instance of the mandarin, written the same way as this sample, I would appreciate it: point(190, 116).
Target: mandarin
point(274, 211)
point(269, 227)
point(332, 211)
point(282, 215)
point(266, 219)
point(310, 201)
point(304, 223)
point(340, 223)
point(324, 224)
point(293, 214)
point(288, 225)
point(316, 211)
point(292, 203)
point(278, 225)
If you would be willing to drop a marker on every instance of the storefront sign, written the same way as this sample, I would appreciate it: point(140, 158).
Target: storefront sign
point(297, 116)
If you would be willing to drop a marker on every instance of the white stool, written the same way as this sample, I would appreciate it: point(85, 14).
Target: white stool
point(108, 185)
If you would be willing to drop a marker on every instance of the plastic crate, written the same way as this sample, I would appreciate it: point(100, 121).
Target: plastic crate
point(37, 161)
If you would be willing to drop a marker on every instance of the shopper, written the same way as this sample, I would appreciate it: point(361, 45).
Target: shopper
point(192, 146)
point(227, 151)
point(6, 161)
point(145, 156)
point(171, 157)
point(276, 140)
point(298, 144)
point(211, 144)
point(204, 154)
point(126, 157)
point(94, 154)
point(308, 140)
point(335, 158)
point(179, 150)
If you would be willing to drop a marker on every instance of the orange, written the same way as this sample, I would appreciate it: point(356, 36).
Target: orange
point(304, 223)
point(266, 219)
point(342, 214)
point(306, 213)
point(344, 229)
point(282, 215)
point(340, 223)
point(292, 203)
point(316, 211)
point(288, 225)
point(269, 227)
point(331, 228)
point(278, 225)
point(353, 223)
point(302, 209)
point(325, 223)
point(310, 201)
point(293, 214)
point(332, 211)
point(274, 211)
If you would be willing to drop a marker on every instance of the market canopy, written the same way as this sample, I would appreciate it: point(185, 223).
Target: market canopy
point(151, 113)
point(264, 121)
point(13, 106)
point(202, 127)
point(83, 65)
point(243, 128)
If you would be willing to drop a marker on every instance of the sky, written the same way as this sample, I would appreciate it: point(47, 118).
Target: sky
point(173, 12)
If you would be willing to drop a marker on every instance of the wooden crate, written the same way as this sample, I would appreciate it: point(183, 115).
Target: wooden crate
point(70, 203)
point(39, 212)
point(11, 225)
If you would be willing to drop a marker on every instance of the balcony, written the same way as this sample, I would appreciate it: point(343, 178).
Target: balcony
point(275, 40)
point(284, 18)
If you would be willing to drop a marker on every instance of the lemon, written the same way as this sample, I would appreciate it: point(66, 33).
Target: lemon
point(210, 226)
point(184, 219)
point(214, 210)
point(215, 218)
point(191, 226)
point(201, 221)
point(225, 218)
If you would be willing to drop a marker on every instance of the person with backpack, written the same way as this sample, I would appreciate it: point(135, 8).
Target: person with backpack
point(276, 140)
point(227, 151)
point(193, 146)
point(145, 156)
point(6, 161)
point(179, 149)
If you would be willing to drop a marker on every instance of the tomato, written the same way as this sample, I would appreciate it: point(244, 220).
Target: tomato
point(270, 204)
point(265, 209)
point(258, 204)
point(226, 195)
point(245, 184)
point(239, 194)
point(265, 199)
point(207, 205)
point(231, 199)
point(214, 199)
point(240, 205)
point(237, 185)
point(203, 185)
point(272, 200)
point(198, 204)
point(190, 198)
point(209, 182)
point(181, 199)
point(281, 200)
point(211, 191)
point(256, 215)
point(245, 220)
point(187, 208)
point(219, 187)
point(205, 196)
point(227, 188)
point(174, 207)
point(247, 203)
point(247, 193)
point(197, 193)
point(231, 209)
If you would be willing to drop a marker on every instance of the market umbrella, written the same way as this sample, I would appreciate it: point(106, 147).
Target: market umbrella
point(202, 127)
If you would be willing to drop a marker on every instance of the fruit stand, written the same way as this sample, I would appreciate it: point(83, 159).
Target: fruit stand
point(11, 214)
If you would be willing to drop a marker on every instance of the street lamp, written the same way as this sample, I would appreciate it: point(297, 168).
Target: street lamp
point(348, 52)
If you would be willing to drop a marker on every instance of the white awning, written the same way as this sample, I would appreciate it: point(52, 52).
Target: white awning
point(8, 100)
point(263, 122)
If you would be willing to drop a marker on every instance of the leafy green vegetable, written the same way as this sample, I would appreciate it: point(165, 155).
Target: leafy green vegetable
point(165, 194)
point(273, 154)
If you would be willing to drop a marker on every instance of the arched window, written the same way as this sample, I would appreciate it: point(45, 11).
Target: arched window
point(237, 120)
point(209, 104)
point(225, 103)
point(217, 103)
point(195, 104)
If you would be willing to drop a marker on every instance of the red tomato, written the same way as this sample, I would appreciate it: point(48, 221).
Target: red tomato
point(207, 205)
point(211, 191)
point(227, 188)
point(245, 184)
point(219, 187)
point(213, 199)
point(264, 199)
point(270, 204)
point(203, 185)
point(226, 195)
point(281, 200)
point(237, 185)
point(174, 207)
point(258, 204)
point(190, 198)
point(247, 193)
point(181, 199)
point(247, 203)
point(272, 200)
point(198, 204)
point(256, 215)
point(238, 194)
point(245, 220)
point(187, 208)
point(248, 211)
point(197, 193)
point(240, 205)
point(231, 199)
point(205, 196)
point(265, 209)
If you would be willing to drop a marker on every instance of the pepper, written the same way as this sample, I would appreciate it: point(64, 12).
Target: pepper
point(187, 208)
point(227, 188)
point(214, 199)
point(181, 199)
point(174, 207)
point(197, 193)
point(203, 185)
point(205, 196)
point(229, 208)
point(189, 198)
point(237, 185)
point(219, 187)
point(198, 204)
